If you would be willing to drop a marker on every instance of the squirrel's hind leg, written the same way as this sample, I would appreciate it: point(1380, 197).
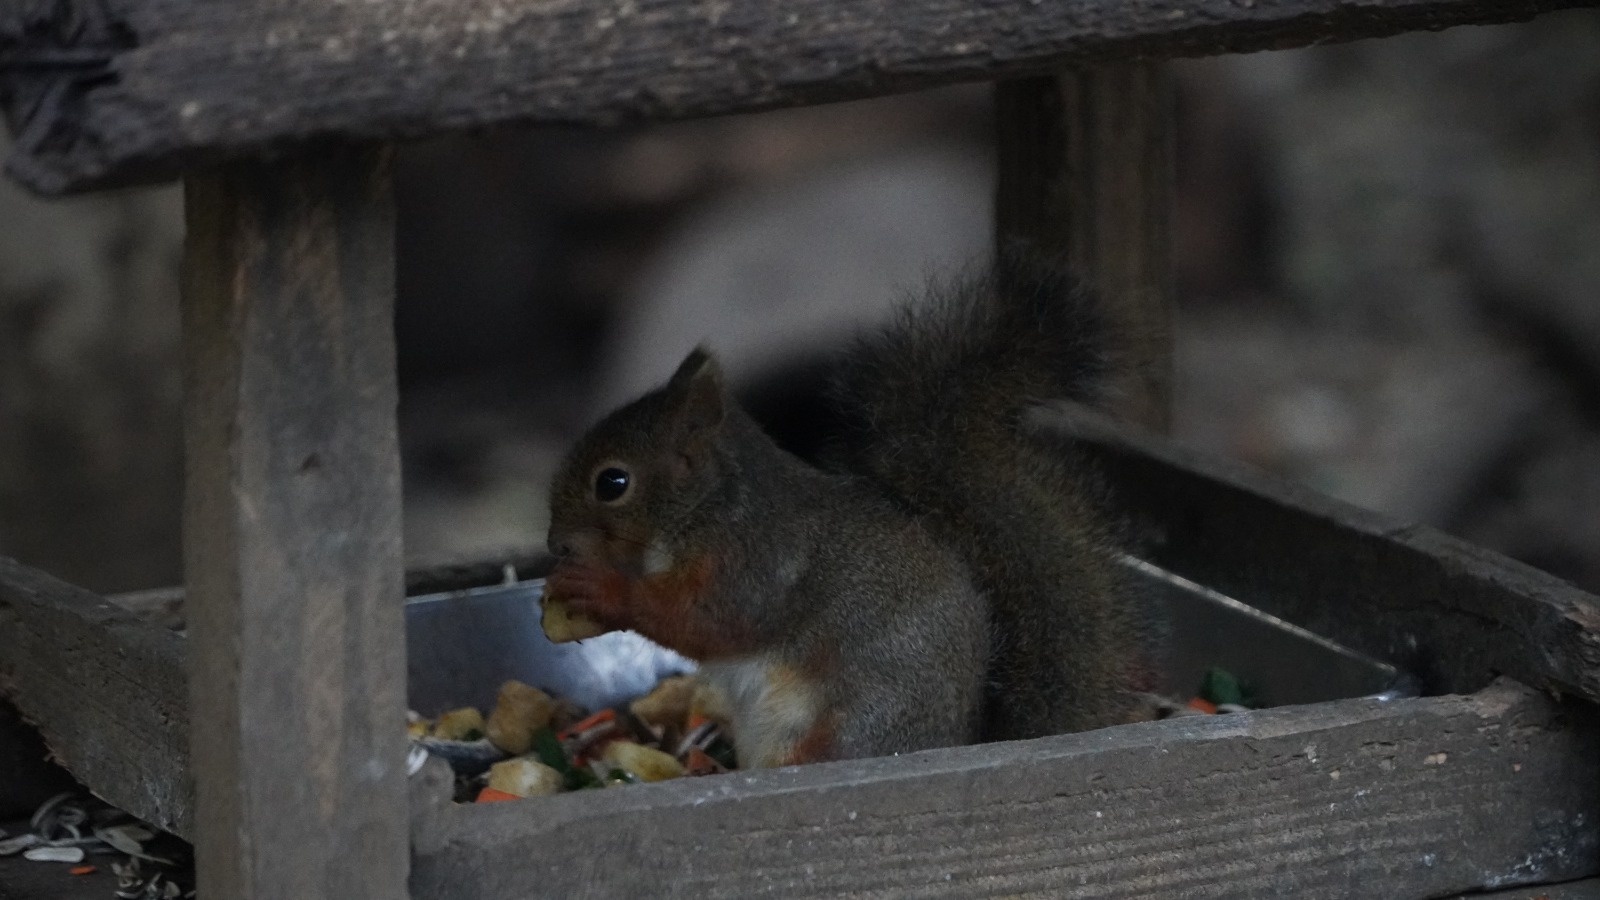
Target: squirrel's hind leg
point(780, 716)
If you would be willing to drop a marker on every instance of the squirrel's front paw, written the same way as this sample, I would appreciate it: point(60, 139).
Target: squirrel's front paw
point(590, 592)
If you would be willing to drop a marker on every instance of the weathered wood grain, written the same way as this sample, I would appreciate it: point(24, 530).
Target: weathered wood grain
point(1416, 799)
point(1587, 889)
point(106, 690)
point(292, 552)
point(103, 92)
point(1452, 613)
point(1086, 172)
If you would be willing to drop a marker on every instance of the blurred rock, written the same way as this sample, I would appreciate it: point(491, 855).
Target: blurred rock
point(1434, 348)
point(1411, 168)
point(1409, 427)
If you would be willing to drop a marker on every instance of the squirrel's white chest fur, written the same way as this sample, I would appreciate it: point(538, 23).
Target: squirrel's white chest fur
point(773, 705)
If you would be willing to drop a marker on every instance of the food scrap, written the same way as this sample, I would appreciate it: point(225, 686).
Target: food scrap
point(640, 762)
point(1221, 688)
point(561, 626)
point(670, 703)
point(519, 712)
point(465, 724)
point(1220, 692)
point(525, 777)
point(534, 744)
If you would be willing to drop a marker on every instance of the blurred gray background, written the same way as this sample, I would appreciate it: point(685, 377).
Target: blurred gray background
point(1388, 276)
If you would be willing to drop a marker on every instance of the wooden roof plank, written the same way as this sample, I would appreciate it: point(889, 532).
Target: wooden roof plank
point(107, 92)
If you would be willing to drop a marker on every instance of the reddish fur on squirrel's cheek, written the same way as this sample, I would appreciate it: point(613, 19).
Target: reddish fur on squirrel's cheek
point(627, 554)
point(680, 618)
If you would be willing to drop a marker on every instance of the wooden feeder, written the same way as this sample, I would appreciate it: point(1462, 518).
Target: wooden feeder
point(292, 781)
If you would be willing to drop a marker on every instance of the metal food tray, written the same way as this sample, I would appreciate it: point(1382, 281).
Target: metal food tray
point(462, 645)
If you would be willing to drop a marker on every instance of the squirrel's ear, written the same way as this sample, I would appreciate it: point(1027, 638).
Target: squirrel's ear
point(698, 404)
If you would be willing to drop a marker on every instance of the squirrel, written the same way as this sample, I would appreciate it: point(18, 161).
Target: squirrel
point(941, 580)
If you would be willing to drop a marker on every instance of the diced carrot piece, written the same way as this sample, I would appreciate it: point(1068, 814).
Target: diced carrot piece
point(1204, 705)
point(490, 795)
point(82, 870)
point(602, 717)
point(698, 762)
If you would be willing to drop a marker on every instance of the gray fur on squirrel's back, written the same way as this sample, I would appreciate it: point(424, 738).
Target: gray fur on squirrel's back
point(933, 408)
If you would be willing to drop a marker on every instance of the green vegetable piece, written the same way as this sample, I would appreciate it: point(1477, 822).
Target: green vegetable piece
point(1220, 686)
point(472, 734)
point(547, 747)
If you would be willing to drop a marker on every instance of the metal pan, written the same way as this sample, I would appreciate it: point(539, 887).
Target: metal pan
point(462, 645)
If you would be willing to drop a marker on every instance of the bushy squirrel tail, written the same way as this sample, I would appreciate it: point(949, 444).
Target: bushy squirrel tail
point(942, 387)
point(933, 409)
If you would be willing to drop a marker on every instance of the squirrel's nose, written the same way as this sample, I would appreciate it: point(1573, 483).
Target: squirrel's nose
point(574, 542)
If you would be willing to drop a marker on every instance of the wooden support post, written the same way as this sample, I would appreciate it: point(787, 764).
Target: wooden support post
point(1086, 170)
point(292, 529)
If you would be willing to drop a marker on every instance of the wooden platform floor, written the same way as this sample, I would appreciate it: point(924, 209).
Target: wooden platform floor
point(24, 880)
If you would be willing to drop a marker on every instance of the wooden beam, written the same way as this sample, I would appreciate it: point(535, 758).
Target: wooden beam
point(1413, 799)
point(105, 689)
point(1454, 614)
point(292, 529)
point(103, 92)
point(1086, 172)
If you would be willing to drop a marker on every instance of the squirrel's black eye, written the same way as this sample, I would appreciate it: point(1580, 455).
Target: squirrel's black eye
point(611, 484)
